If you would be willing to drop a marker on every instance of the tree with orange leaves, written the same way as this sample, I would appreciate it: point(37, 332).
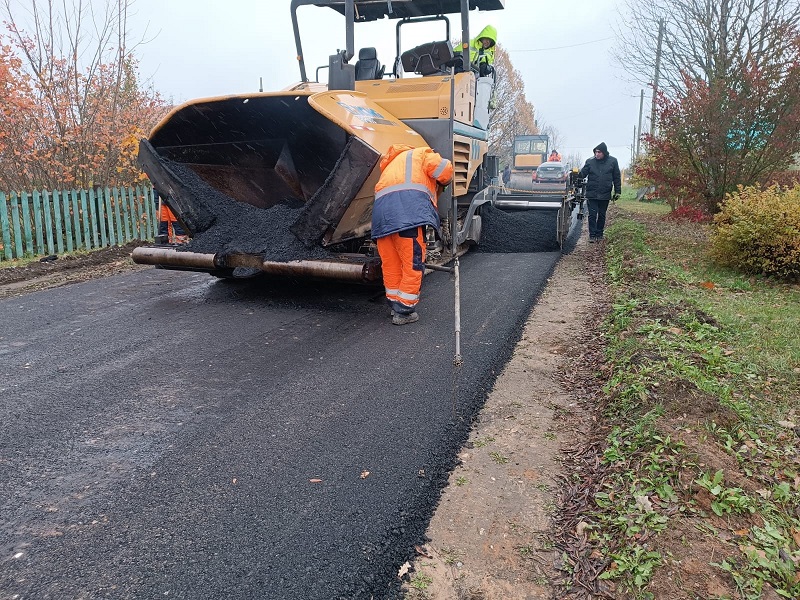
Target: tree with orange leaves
point(66, 121)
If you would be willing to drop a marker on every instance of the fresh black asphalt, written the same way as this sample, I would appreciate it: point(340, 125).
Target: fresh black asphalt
point(167, 435)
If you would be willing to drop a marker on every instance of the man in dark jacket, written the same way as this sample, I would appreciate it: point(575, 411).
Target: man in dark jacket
point(603, 173)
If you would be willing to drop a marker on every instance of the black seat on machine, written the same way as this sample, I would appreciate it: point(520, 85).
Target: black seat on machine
point(367, 65)
point(428, 59)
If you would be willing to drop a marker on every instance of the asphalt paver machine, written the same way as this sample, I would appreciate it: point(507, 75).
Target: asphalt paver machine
point(555, 201)
point(283, 182)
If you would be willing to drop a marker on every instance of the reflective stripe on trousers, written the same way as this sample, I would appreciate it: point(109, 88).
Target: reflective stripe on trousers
point(402, 262)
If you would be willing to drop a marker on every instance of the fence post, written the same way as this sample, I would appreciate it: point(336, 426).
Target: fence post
point(4, 225)
point(67, 221)
point(127, 213)
point(112, 233)
point(37, 222)
point(48, 222)
point(94, 215)
point(138, 224)
point(26, 223)
point(57, 230)
point(76, 219)
point(85, 219)
point(15, 224)
point(150, 208)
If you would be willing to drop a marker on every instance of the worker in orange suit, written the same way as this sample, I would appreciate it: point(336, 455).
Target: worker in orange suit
point(168, 225)
point(405, 202)
point(554, 156)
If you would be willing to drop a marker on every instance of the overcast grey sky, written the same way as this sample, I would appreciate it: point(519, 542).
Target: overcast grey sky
point(200, 48)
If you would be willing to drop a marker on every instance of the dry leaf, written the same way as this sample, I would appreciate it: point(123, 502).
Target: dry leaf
point(709, 285)
point(404, 570)
point(364, 474)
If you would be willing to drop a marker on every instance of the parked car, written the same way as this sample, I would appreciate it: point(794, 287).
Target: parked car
point(551, 172)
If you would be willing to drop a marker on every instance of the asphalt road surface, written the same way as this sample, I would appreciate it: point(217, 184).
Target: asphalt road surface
point(167, 435)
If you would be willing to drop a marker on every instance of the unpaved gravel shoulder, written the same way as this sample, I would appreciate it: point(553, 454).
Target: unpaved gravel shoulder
point(490, 538)
point(65, 269)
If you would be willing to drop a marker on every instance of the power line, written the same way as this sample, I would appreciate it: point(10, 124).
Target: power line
point(562, 47)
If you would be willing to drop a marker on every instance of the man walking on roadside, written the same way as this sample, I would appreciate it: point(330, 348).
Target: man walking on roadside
point(603, 175)
point(406, 198)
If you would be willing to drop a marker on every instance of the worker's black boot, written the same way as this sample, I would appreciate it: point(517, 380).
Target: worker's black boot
point(405, 319)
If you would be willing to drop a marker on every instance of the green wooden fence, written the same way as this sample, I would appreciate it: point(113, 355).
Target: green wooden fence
point(53, 222)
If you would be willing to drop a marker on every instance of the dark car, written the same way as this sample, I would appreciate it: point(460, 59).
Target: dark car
point(551, 172)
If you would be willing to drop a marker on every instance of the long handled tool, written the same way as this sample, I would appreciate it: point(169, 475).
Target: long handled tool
point(457, 360)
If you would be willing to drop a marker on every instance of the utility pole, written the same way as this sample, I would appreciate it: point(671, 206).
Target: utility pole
point(656, 76)
point(634, 144)
point(639, 137)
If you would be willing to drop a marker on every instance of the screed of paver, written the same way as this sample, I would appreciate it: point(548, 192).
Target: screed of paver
point(489, 536)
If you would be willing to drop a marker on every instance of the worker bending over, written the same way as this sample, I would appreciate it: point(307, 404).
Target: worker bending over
point(406, 198)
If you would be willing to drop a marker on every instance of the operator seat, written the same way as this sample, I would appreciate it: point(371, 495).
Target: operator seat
point(368, 66)
point(428, 59)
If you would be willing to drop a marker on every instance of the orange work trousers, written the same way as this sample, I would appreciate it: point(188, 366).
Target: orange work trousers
point(403, 263)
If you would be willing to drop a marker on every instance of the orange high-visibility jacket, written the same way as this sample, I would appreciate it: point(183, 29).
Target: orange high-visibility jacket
point(406, 195)
point(166, 214)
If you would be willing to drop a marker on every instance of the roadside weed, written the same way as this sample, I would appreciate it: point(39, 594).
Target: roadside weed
point(421, 581)
point(726, 500)
point(484, 441)
point(498, 458)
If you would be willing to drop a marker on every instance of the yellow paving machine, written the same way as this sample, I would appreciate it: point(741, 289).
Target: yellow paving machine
point(283, 182)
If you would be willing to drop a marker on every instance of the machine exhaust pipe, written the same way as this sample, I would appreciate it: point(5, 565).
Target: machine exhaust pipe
point(319, 269)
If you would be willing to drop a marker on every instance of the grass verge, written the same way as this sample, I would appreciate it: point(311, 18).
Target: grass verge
point(700, 470)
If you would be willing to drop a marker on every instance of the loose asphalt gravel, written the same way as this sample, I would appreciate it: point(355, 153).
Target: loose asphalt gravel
point(169, 435)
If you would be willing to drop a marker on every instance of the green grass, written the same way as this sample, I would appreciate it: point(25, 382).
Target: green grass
point(683, 333)
point(627, 200)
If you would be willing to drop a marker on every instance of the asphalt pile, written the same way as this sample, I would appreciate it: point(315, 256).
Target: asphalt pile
point(511, 232)
point(241, 228)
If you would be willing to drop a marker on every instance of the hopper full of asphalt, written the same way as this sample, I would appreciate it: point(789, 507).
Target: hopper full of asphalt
point(240, 228)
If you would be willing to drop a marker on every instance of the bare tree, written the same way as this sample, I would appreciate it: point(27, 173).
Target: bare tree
point(514, 115)
point(729, 92)
point(705, 40)
point(556, 141)
point(574, 160)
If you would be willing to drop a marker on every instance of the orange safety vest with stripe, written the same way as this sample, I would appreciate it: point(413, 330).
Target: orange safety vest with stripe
point(406, 194)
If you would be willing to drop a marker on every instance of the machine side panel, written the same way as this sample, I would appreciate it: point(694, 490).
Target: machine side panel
point(424, 97)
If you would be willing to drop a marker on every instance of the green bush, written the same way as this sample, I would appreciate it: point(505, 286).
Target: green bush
point(758, 232)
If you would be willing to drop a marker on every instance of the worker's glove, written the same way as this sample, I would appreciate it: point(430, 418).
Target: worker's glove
point(615, 197)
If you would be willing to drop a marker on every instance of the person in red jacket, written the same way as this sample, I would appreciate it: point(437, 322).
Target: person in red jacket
point(406, 198)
